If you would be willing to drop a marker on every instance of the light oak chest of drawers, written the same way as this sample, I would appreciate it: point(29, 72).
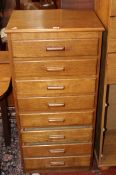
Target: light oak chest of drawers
point(55, 60)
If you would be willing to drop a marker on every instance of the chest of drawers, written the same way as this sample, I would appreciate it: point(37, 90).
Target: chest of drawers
point(55, 60)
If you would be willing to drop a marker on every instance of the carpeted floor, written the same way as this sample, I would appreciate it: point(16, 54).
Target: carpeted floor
point(11, 164)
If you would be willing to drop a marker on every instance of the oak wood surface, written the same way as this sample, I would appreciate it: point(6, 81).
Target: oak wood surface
point(53, 20)
point(57, 38)
point(5, 75)
point(57, 162)
point(111, 69)
point(50, 104)
point(69, 47)
point(81, 134)
point(106, 10)
point(80, 66)
point(57, 150)
point(56, 119)
point(55, 87)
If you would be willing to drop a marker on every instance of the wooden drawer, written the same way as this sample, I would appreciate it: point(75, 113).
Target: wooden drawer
point(57, 162)
point(48, 48)
point(68, 103)
point(111, 68)
point(112, 35)
point(112, 27)
point(113, 8)
point(62, 67)
point(57, 150)
point(56, 119)
point(112, 46)
point(56, 135)
point(55, 87)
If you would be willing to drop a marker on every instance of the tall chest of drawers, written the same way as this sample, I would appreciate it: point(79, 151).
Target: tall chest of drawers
point(55, 60)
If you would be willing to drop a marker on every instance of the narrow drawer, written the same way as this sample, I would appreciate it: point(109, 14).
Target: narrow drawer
point(57, 150)
point(55, 87)
point(48, 48)
point(112, 35)
point(112, 46)
point(112, 27)
point(57, 162)
point(44, 104)
point(56, 119)
point(111, 68)
point(62, 67)
point(113, 8)
point(56, 135)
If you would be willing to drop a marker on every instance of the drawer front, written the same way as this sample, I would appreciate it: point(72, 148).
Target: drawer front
point(111, 68)
point(71, 47)
point(57, 162)
point(80, 68)
point(55, 135)
point(112, 27)
point(57, 150)
point(113, 8)
point(112, 46)
point(55, 87)
point(56, 119)
point(50, 104)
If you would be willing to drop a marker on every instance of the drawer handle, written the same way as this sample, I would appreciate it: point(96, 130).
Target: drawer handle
point(57, 150)
point(56, 119)
point(55, 48)
point(56, 104)
point(54, 69)
point(55, 87)
point(61, 163)
point(56, 137)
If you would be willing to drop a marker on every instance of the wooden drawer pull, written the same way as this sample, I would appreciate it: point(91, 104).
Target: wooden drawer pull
point(56, 119)
point(55, 87)
point(54, 69)
point(57, 150)
point(56, 137)
point(61, 163)
point(56, 104)
point(55, 48)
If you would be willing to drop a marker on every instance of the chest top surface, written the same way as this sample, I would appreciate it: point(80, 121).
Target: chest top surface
point(53, 20)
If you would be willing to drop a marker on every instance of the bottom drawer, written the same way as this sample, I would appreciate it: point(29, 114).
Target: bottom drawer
point(57, 150)
point(57, 162)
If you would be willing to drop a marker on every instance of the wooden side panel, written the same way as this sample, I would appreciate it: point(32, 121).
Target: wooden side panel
point(101, 102)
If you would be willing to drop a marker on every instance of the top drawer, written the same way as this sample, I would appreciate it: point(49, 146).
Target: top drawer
point(113, 8)
point(61, 47)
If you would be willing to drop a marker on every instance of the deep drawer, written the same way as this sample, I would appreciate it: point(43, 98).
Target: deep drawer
point(111, 68)
point(68, 103)
point(56, 119)
point(55, 87)
point(48, 48)
point(56, 135)
point(57, 162)
point(57, 150)
point(62, 67)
